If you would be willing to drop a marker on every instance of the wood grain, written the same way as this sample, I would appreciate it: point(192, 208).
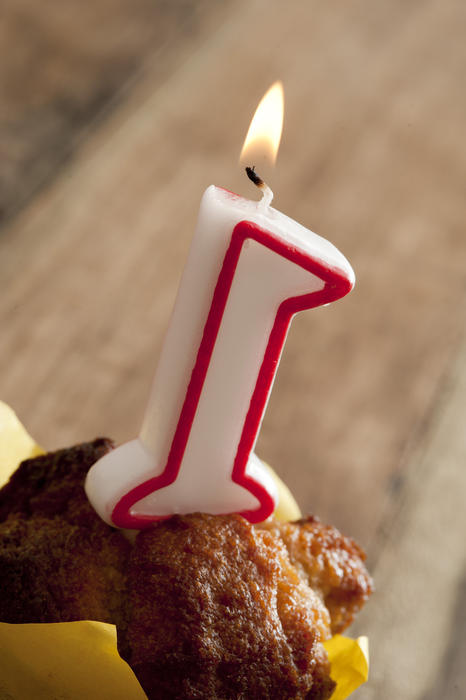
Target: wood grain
point(67, 64)
point(416, 619)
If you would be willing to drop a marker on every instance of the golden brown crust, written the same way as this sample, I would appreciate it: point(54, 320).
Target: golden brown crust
point(58, 560)
point(52, 571)
point(53, 484)
point(206, 606)
point(215, 611)
point(330, 563)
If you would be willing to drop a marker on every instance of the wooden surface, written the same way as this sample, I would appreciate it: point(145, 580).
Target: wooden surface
point(114, 119)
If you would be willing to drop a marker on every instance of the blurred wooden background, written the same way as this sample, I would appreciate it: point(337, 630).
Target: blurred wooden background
point(114, 118)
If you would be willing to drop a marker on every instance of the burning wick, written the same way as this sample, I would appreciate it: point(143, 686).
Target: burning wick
point(267, 194)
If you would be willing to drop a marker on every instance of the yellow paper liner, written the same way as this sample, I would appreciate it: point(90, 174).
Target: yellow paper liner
point(349, 662)
point(76, 660)
point(72, 660)
point(15, 443)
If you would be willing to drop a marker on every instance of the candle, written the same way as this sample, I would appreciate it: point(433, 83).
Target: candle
point(250, 269)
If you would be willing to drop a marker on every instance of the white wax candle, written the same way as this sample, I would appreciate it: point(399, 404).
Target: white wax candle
point(230, 314)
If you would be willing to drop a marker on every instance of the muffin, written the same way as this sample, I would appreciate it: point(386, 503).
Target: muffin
point(204, 606)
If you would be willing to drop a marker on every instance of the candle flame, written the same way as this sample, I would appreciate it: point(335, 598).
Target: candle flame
point(265, 131)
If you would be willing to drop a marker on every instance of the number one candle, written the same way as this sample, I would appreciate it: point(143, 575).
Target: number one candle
point(249, 270)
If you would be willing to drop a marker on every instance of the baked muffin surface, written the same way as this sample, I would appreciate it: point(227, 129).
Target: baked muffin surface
point(205, 606)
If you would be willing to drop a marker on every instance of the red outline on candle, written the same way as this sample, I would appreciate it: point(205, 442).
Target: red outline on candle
point(337, 284)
